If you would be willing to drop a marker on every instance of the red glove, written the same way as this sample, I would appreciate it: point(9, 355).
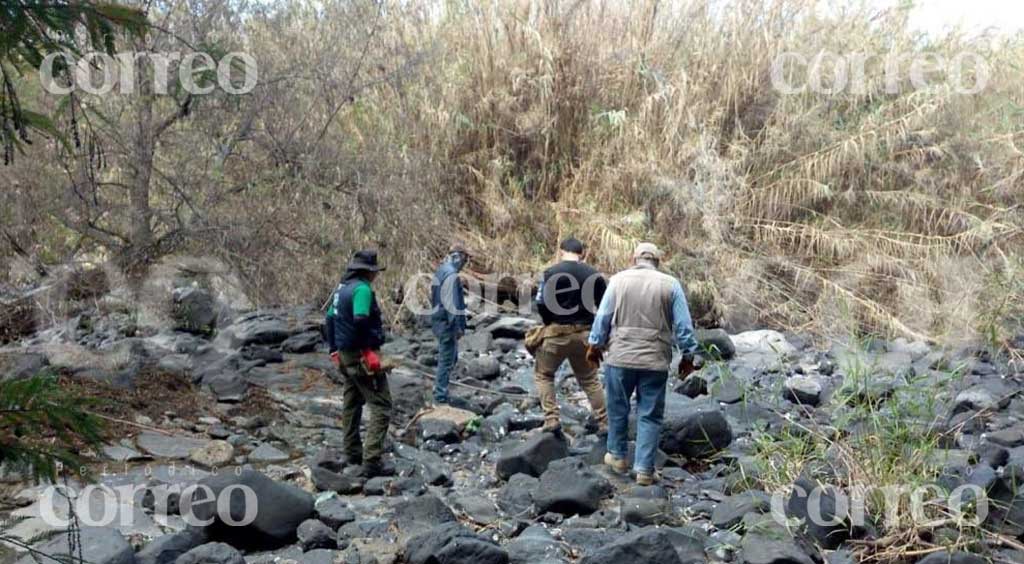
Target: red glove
point(336, 359)
point(371, 361)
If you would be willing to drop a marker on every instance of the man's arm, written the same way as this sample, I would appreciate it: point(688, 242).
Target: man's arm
point(362, 299)
point(542, 308)
point(682, 324)
point(329, 325)
point(602, 327)
point(459, 299)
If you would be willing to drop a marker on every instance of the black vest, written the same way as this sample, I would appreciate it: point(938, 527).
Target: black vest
point(350, 335)
point(577, 306)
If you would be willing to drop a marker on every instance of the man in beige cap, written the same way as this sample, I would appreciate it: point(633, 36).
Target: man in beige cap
point(643, 313)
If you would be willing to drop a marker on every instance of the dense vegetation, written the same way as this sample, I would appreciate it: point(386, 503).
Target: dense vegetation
point(890, 209)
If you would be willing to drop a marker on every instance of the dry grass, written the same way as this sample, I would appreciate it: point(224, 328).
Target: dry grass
point(510, 124)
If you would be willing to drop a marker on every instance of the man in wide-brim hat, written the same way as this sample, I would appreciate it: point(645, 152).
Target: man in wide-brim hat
point(355, 335)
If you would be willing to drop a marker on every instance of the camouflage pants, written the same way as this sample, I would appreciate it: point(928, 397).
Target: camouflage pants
point(359, 388)
point(550, 356)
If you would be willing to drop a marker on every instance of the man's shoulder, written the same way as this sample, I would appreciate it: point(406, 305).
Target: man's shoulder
point(646, 274)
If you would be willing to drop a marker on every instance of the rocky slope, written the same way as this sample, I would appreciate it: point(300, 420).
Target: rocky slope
point(479, 482)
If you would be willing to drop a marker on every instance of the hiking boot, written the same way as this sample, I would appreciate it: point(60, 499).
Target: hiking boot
point(619, 465)
point(552, 427)
point(347, 460)
point(373, 469)
point(645, 479)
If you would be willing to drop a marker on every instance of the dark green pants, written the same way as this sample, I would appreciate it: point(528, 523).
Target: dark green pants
point(360, 388)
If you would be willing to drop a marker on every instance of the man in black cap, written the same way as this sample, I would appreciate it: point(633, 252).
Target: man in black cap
point(567, 300)
point(356, 335)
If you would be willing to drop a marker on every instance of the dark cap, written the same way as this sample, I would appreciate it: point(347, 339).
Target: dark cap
point(572, 245)
point(365, 261)
point(458, 248)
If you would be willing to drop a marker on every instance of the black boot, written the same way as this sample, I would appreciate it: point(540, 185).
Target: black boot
point(374, 468)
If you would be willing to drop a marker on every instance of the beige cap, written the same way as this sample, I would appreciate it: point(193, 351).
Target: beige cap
point(647, 250)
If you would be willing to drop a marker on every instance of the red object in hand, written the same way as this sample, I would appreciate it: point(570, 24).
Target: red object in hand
point(371, 360)
point(336, 359)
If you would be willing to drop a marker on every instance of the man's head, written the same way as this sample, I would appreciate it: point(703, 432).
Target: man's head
point(647, 253)
point(571, 249)
point(364, 264)
point(458, 255)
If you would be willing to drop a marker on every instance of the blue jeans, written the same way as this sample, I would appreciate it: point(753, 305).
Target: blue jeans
point(447, 356)
point(649, 385)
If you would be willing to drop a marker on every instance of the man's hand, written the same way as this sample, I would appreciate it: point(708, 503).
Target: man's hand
point(336, 359)
point(371, 360)
point(689, 364)
point(595, 355)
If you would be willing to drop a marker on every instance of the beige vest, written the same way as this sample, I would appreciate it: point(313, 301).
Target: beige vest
point(641, 335)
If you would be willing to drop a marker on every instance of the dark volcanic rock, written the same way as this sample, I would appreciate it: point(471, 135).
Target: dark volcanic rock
point(301, 343)
point(762, 550)
point(451, 543)
point(533, 456)
point(799, 506)
point(717, 342)
point(730, 511)
point(212, 553)
point(314, 534)
point(516, 497)
point(280, 508)
point(194, 310)
point(483, 368)
point(334, 513)
point(570, 487)
point(648, 545)
point(439, 430)
point(100, 545)
point(420, 513)
point(167, 549)
point(696, 432)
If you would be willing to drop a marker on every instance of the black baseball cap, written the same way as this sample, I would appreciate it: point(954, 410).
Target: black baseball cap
point(572, 245)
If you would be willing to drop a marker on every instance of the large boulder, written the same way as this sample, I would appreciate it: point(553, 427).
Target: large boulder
point(278, 511)
point(451, 543)
point(193, 309)
point(764, 349)
point(212, 553)
point(99, 545)
point(533, 456)
point(570, 487)
point(696, 432)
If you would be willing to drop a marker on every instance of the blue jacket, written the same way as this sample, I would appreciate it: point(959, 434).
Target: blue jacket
point(448, 305)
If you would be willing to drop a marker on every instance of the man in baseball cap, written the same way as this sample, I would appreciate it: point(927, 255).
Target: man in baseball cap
point(633, 334)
